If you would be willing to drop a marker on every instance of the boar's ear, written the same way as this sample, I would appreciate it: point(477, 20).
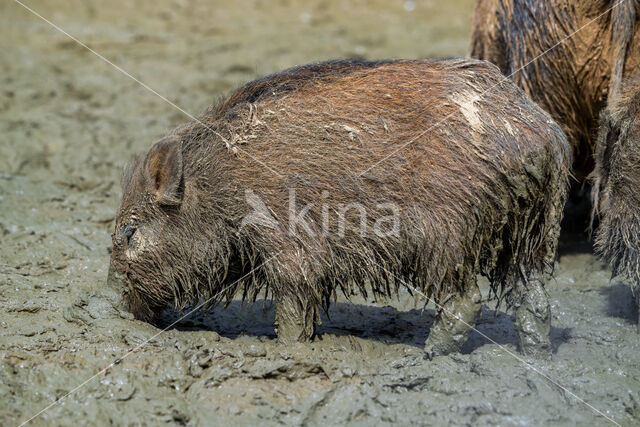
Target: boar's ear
point(164, 169)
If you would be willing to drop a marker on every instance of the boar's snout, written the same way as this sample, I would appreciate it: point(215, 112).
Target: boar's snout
point(131, 298)
point(116, 280)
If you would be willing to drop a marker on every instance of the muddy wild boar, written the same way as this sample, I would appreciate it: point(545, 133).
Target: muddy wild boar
point(568, 55)
point(616, 187)
point(348, 176)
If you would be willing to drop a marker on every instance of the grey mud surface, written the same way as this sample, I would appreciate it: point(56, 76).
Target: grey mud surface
point(68, 124)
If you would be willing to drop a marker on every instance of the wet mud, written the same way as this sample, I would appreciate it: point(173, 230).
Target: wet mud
point(69, 123)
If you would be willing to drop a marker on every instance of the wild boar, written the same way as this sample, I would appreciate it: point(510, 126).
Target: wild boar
point(567, 55)
point(616, 187)
point(352, 176)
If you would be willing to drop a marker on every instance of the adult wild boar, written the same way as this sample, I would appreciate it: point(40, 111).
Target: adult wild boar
point(617, 185)
point(568, 55)
point(352, 176)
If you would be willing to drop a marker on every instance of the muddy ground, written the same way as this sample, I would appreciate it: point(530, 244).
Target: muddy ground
point(68, 124)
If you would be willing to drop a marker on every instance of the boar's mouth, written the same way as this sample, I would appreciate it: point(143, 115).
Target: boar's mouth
point(117, 280)
point(134, 302)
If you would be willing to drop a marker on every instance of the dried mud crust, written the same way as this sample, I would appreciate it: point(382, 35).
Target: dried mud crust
point(70, 122)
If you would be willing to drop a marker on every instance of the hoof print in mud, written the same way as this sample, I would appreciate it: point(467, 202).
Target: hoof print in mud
point(430, 353)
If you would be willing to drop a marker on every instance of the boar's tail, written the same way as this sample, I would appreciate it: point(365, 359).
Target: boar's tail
point(555, 188)
point(530, 237)
point(623, 20)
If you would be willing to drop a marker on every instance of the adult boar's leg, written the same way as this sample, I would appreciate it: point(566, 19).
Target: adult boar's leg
point(295, 319)
point(454, 323)
point(533, 317)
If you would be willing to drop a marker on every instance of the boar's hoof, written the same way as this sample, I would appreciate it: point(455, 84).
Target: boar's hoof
point(291, 332)
point(434, 348)
point(455, 321)
point(536, 350)
point(533, 321)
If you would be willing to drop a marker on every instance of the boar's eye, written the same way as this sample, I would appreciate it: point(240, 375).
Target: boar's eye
point(128, 231)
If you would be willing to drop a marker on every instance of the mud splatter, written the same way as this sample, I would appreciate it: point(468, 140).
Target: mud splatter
point(466, 101)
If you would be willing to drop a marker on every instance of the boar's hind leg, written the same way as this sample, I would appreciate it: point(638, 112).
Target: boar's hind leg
point(454, 323)
point(295, 319)
point(533, 317)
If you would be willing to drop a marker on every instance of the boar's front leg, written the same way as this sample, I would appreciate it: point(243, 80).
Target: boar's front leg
point(454, 322)
point(295, 319)
point(533, 317)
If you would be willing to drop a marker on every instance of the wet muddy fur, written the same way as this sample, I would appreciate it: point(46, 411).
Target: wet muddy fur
point(480, 193)
point(569, 73)
point(617, 185)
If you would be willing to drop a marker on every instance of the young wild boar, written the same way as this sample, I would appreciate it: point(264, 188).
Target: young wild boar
point(617, 185)
point(568, 55)
point(352, 175)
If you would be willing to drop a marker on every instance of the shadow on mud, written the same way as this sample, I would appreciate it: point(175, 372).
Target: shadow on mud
point(575, 239)
point(381, 324)
point(620, 302)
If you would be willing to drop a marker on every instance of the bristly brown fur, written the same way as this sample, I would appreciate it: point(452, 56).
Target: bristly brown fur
point(616, 186)
point(481, 192)
point(563, 56)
